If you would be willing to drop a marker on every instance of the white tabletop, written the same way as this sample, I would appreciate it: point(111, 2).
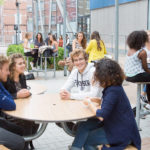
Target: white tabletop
point(50, 108)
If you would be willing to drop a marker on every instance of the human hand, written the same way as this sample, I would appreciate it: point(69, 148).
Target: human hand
point(87, 101)
point(65, 95)
point(96, 100)
point(23, 93)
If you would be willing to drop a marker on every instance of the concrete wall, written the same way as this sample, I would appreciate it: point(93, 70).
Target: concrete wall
point(133, 16)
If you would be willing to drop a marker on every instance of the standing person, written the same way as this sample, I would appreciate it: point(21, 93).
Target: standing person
point(38, 42)
point(136, 69)
point(8, 131)
point(68, 46)
point(60, 41)
point(79, 42)
point(16, 85)
point(96, 48)
point(119, 127)
point(47, 39)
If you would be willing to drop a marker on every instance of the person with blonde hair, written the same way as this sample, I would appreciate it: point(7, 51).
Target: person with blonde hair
point(17, 87)
point(9, 132)
point(16, 82)
point(28, 51)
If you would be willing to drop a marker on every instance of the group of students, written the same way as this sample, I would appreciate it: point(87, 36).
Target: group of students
point(33, 52)
point(95, 49)
point(114, 124)
point(13, 86)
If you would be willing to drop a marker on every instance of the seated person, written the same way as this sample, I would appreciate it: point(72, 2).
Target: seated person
point(119, 127)
point(8, 131)
point(16, 85)
point(80, 78)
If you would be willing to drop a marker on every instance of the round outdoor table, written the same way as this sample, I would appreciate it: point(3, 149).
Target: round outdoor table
point(36, 88)
point(49, 108)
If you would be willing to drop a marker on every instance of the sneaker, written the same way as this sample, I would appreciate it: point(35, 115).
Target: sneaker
point(147, 106)
point(143, 98)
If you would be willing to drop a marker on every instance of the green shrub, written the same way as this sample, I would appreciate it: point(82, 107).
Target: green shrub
point(15, 49)
point(19, 49)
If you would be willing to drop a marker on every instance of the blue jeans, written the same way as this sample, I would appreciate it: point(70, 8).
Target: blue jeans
point(89, 135)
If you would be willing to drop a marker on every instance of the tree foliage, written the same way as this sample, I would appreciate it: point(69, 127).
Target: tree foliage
point(1, 2)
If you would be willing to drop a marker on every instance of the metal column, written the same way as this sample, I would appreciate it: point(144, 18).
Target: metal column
point(37, 16)
point(18, 23)
point(148, 15)
point(116, 29)
point(64, 34)
point(33, 19)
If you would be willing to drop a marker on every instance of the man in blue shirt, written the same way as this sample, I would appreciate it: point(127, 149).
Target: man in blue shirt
point(8, 137)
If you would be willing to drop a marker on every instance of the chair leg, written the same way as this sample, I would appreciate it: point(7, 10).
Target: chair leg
point(45, 67)
point(31, 145)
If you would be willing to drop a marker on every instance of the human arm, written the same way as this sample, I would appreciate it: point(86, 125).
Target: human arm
point(94, 89)
point(6, 102)
point(88, 102)
point(67, 41)
point(36, 44)
point(56, 47)
point(109, 103)
point(74, 44)
point(68, 85)
point(23, 93)
point(89, 47)
point(143, 56)
point(25, 44)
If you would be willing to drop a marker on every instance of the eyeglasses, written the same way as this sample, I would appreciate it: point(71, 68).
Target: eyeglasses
point(78, 60)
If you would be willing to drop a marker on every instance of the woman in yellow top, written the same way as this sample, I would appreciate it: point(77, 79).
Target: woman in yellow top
point(96, 48)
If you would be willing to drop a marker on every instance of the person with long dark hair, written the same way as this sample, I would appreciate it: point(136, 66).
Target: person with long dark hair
point(115, 124)
point(79, 42)
point(38, 42)
point(136, 68)
point(96, 48)
point(53, 44)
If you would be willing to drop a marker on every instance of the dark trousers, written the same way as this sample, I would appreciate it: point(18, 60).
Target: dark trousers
point(142, 77)
point(10, 135)
point(34, 55)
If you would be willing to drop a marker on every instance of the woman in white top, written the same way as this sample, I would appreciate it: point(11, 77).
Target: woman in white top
point(27, 49)
point(26, 44)
point(136, 68)
point(147, 49)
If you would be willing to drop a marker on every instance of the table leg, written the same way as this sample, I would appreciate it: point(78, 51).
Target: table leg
point(38, 134)
point(66, 129)
point(138, 105)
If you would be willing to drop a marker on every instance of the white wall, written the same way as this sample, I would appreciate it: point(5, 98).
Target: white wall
point(132, 16)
